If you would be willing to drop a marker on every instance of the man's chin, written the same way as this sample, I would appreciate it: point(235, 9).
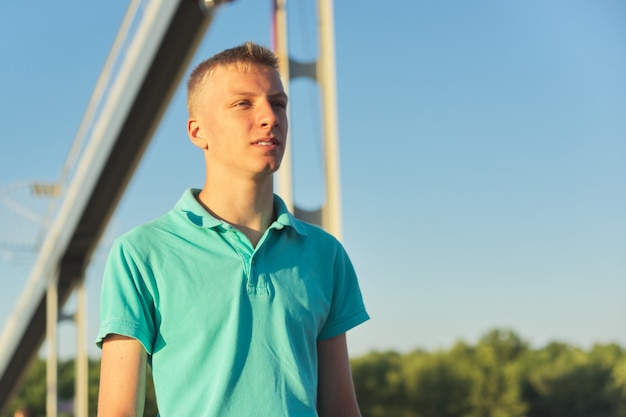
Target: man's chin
point(267, 171)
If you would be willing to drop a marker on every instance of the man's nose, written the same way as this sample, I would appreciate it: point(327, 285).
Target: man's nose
point(268, 114)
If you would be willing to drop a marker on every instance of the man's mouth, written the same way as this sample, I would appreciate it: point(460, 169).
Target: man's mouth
point(270, 142)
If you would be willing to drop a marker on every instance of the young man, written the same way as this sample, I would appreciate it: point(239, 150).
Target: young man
point(240, 308)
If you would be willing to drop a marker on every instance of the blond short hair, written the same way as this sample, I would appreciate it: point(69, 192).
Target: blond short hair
point(241, 58)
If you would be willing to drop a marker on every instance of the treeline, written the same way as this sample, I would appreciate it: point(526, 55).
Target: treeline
point(32, 396)
point(501, 376)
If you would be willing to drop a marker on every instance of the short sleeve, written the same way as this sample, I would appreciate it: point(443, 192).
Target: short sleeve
point(347, 309)
point(127, 297)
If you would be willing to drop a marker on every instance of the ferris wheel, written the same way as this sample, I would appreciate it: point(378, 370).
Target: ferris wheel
point(25, 210)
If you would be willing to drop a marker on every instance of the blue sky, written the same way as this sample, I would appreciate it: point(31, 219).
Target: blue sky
point(483, 156)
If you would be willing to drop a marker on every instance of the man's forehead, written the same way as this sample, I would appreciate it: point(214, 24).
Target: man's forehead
point(236, 79)
point(242, 68)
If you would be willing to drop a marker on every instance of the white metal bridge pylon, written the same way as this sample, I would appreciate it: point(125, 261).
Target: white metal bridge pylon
point(323, 72)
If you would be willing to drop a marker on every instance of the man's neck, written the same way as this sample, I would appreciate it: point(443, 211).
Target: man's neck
point(247, 206)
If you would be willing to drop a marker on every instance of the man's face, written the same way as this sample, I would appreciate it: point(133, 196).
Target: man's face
point(241, 121)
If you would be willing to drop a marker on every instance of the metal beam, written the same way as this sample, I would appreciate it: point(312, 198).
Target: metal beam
point(157, 58)
point(321, 71)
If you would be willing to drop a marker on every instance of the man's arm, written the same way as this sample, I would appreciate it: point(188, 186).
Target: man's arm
point(122, 377)
point(335, 392)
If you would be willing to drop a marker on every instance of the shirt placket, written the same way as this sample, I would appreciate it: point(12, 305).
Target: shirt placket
point(247, 253)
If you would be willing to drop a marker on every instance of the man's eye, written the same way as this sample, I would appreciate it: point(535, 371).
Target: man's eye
point(242, 103)
point(280, 105)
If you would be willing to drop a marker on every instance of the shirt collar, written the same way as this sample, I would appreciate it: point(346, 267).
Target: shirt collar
point(284, 218)
point(189, 207)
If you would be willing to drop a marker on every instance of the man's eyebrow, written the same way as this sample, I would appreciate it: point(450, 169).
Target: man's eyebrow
point(276, 94)
point(279, 94)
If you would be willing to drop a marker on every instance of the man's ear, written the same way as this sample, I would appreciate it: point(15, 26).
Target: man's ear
point(196, 135)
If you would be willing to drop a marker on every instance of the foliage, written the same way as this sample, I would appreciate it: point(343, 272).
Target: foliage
point(435, 386)
point(564, 381)
point(501, 376)
point(32, 395)
point(381, 386)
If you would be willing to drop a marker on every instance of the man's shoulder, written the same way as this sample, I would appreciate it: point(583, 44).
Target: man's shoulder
point(171, 222)
point(316, 238)
point(301, 227)
point(316, 232)
point(151, 231)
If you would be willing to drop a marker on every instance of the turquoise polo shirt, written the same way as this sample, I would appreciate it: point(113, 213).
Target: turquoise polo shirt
point(230, 329)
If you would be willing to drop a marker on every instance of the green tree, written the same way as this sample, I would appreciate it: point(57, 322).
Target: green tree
point(618, 385)
point(561, 380)
point(505, 344)
point(499, 377)
point(496, 382)
point(437, 385)
point(32, 394)
point(379, 385)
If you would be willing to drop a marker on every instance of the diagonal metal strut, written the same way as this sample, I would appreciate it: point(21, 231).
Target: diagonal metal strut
point(156, 61)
